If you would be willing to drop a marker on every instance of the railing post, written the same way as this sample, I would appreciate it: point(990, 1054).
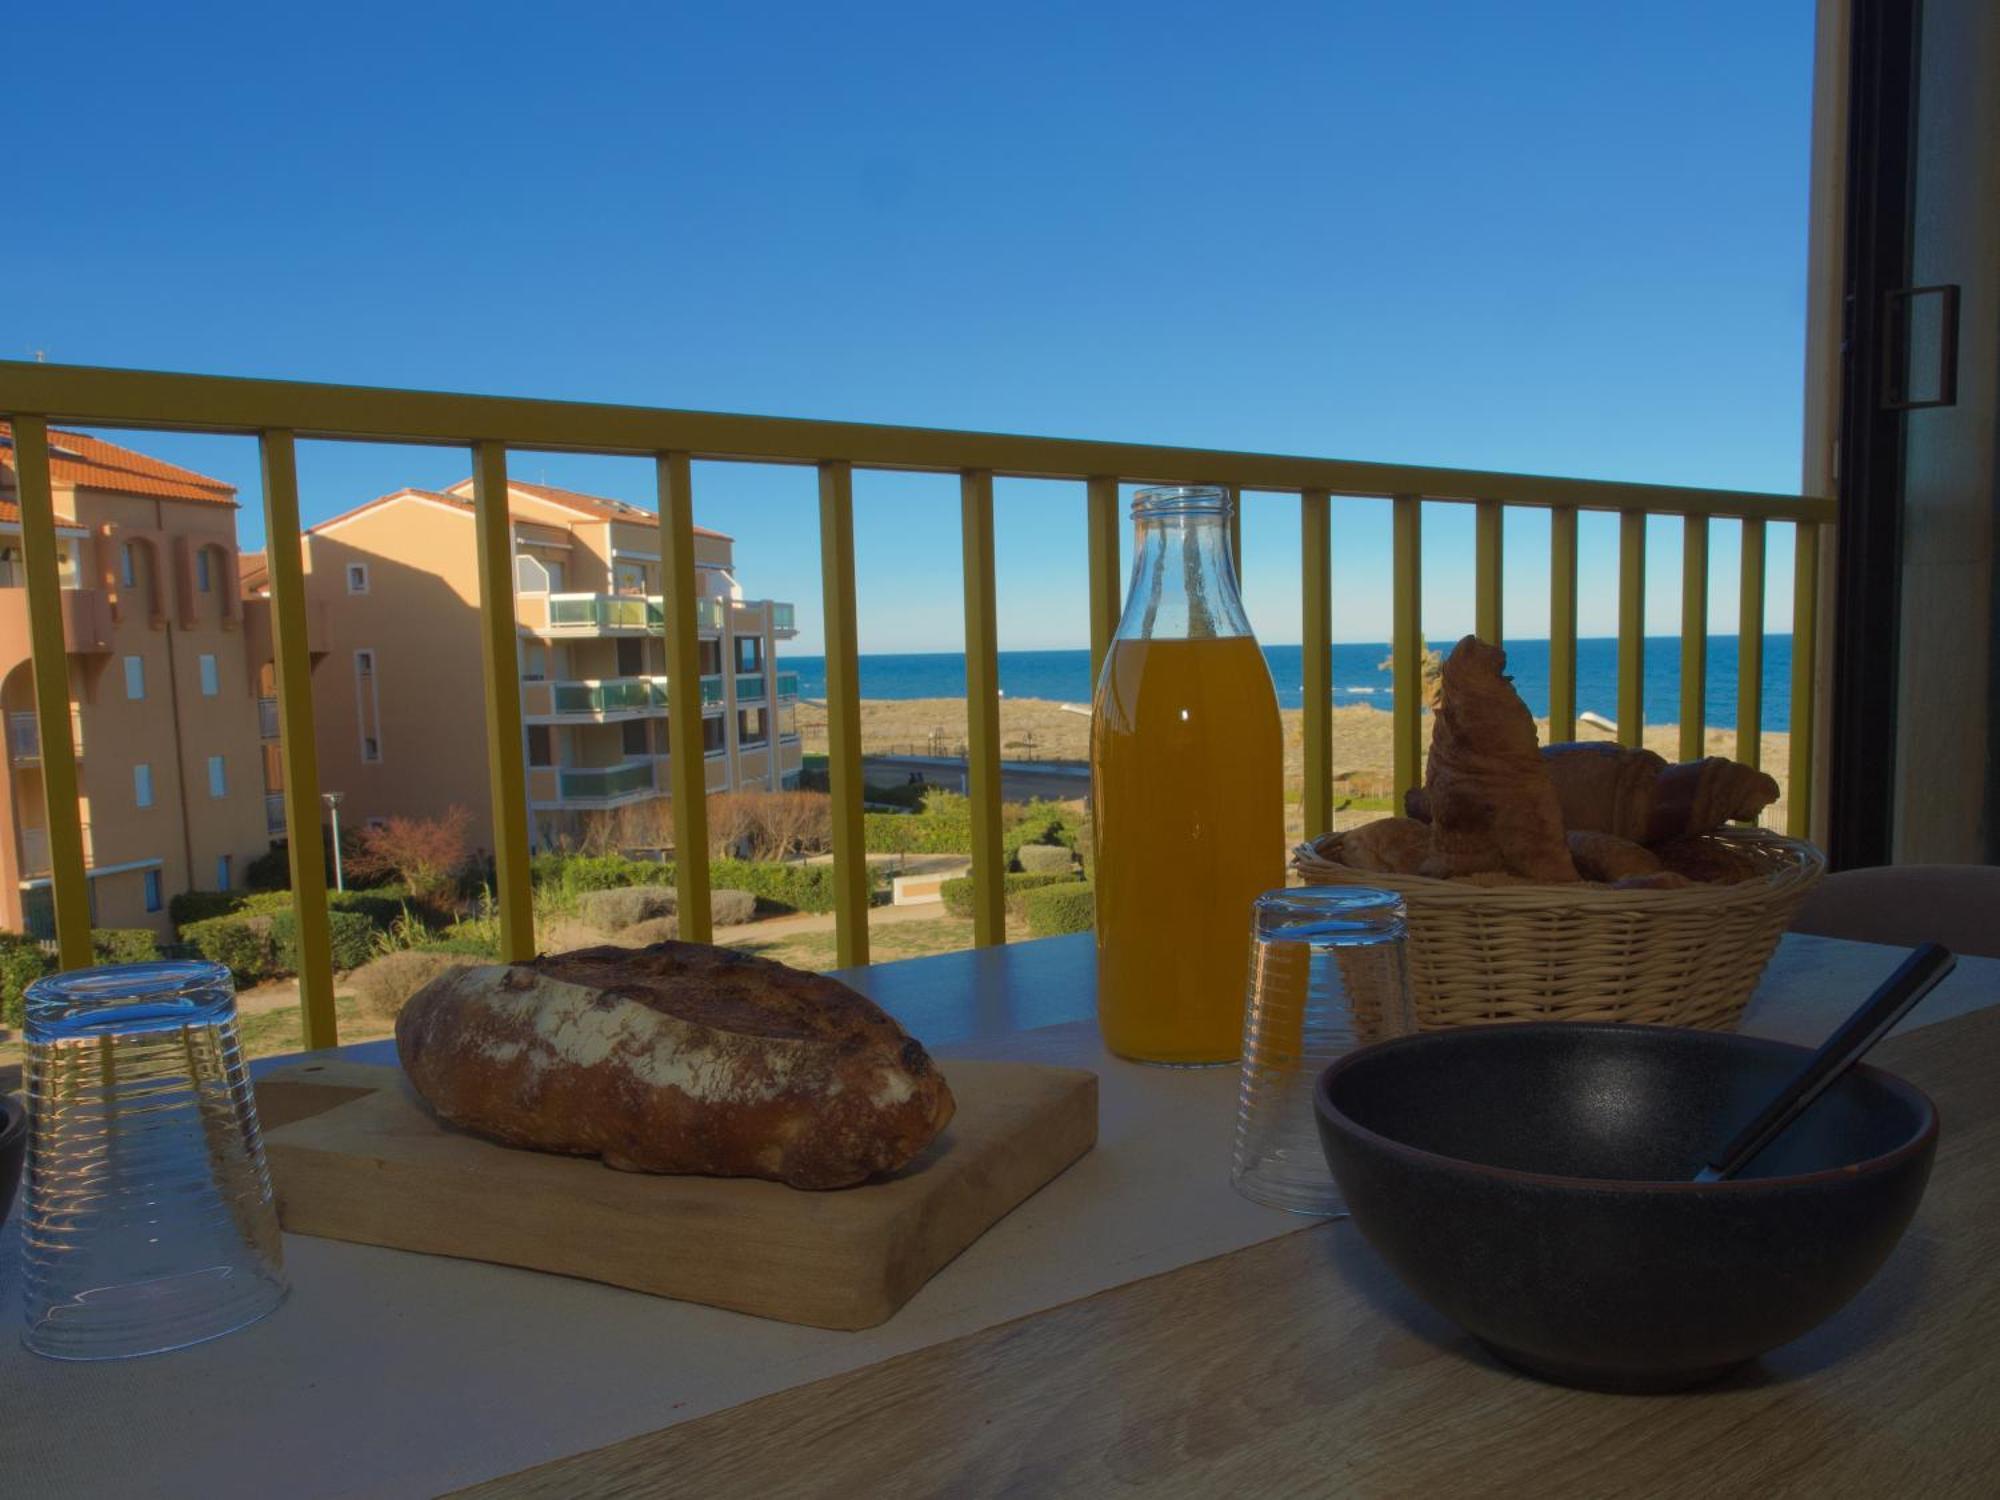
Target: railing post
point(500, 658)
point(297, 749)
point(1632, 627)
point(1406, 643)
point(1562, 624)
point(1694, 637)
point(1106, 587)
point(687, 766)
point(1316, 634)
point(982, 690)
point(1750, 648)
point(1488, 610)
point(1805, 629)
point(843, 714)
point(62, 814)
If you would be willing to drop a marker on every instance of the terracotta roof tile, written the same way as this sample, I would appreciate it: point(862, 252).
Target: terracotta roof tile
point(595, 507)
point(77, 459)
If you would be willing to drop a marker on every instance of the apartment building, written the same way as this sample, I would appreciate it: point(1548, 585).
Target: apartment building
point(401, 692)
point(161, 683)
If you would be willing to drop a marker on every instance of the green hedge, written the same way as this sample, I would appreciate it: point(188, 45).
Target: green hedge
point(944, 826)
point(240, 942)
point(350, 935)
point(786, 887)
point(201, 906)
point(958, 893)
point(1056, 909)
point(22, 962)
point(124, 945)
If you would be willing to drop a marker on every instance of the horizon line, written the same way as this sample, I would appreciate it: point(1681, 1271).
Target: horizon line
point(1521, 640)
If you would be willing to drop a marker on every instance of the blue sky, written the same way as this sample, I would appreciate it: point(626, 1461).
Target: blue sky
point(1562, 238)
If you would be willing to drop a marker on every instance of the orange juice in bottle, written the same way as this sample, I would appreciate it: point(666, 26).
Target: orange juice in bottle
point(1187, 807)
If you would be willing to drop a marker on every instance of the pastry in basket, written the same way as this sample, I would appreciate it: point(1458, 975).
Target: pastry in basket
point(1388, 846)
point(1710, 861)
point(1607, 857)
point(1491, 802)
point(675, 1058)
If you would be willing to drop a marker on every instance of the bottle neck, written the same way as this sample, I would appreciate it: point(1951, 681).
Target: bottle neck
point(1183, 586)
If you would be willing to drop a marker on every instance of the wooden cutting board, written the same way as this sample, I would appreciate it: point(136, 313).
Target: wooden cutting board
point(355, 1155)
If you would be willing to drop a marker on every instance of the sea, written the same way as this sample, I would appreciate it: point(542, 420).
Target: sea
point(1360, 676)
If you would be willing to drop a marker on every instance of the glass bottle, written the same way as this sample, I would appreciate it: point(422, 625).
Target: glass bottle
point(1187, 800)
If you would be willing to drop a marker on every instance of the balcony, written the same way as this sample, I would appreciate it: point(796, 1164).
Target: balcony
point(784, 620)
point(605, 786)
point(35, 863)
point(788, 684)
point(750, 687)
point(594, 700)
point(267, 718)
point(24, 736)
point(86, 621)
point(572, 615)
point(711, 692)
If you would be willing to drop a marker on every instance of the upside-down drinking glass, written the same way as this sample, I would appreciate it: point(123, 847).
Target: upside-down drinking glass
point(148, 1222)
point(1328, 973)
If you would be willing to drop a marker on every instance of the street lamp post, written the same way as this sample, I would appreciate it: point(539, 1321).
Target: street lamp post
point(332, 800)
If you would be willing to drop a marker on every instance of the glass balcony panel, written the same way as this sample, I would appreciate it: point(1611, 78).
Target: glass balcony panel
point(788, 684)
point(750, 687)
point(596, 782)
point(711, 689)
point(783, 617)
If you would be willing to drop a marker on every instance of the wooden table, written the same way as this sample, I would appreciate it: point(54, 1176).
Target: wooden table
point(1300, 1366)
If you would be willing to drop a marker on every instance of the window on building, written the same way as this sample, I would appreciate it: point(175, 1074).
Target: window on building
point(153, 890)
point(631, 656)
point(749, 653)
point(714, 736)
point(557, 572)
point(128, 566)
point(634, 738)
point(218, 778)
point(12, 575)
point(536, 666)
point(368, 705)
point(142, 785)
point(135, 677)
point(628, 577)
point(541, 745)
point(752, 727)
point(788, 721)
point(711, 658)
point(204, 571)
point(211, 680)
point(357, 578)
point(225, 872)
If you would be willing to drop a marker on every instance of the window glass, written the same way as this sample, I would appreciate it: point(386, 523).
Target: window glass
point(211, 681)
point(204, 578)
point(152, 890)
point(128, 567)
point(357, 578)
point(541, 745)
point(218, 779)
point(225, 876)
point(634, 738)
point(749, 653)
point(711, 658)
point(142, 785)
point(714, 737)
point(135, 677)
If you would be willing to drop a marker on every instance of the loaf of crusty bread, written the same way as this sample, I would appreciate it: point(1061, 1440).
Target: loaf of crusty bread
point(675, 1058)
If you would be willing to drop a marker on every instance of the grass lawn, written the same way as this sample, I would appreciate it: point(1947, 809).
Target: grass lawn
point(887, 941)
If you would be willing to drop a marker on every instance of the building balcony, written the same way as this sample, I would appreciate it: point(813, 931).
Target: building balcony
point(784, 620)
point(582, 787)
point(711, 693)
point(567, 616)
point(86, 622)
point(594, 700)
point(788, 684)
point(267, 718)
point(24, 736)
point(749, 687)
point(35, 852)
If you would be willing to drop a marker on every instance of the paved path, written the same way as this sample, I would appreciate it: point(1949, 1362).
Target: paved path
point(1020, 780)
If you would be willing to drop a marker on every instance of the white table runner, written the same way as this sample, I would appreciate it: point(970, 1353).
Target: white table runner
point(388, 1373)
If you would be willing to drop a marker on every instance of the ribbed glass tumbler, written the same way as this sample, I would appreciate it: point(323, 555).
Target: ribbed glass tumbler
point(1328, 973)
point(148, 1222)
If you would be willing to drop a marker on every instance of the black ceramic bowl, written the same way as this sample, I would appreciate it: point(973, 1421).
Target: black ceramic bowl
point(13, 1150)
point(1531, 1182)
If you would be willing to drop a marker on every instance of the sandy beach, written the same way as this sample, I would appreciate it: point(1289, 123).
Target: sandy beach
point(1363, 752)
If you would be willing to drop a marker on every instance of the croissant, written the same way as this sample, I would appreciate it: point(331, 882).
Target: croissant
point(1388, 846)
point(1605, 788)
point(1491, 802)
point(1606, 856)
point(1699, 796)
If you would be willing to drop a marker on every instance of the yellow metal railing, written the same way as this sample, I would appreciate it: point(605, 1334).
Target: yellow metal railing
point(279, 412)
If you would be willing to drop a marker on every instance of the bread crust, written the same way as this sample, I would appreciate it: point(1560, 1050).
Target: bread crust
point(675, 1058)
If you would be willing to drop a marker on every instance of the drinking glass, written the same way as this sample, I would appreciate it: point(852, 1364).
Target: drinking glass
point(1328, 973)
point(148, 1222)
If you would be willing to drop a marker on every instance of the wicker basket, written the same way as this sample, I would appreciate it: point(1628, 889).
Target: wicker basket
point(1589, 953)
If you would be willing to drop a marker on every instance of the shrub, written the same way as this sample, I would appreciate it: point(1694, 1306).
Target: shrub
point(616, 909)
point(201, 906)
point(124, 945)
point(653, 930)
point(425, 854)
point(271, 870)
point(958, 893)
point(777, 887)
point(240, 943)
point(573, 874)
point(474, 939)
point(350, 936)
point(1045, 859)
point(22, 962)
point(383, 985)
point(731, 908)
point(1056, 909)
